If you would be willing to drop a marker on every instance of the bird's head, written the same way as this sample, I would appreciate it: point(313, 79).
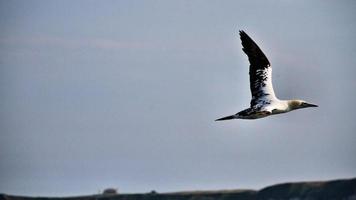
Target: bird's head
point(297, 104)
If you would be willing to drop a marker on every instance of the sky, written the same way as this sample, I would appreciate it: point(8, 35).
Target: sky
point(124, 94)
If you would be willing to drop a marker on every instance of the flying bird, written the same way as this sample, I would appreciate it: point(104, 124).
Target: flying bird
point(264, 102)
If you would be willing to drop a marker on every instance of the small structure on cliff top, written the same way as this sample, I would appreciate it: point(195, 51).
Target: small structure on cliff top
point(110, 191)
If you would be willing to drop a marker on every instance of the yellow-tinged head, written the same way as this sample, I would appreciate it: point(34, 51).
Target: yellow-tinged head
point(297, 104)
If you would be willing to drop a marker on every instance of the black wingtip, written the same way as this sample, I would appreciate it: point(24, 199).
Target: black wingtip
point(255, 55)
point(242, 32)
point(244, 36)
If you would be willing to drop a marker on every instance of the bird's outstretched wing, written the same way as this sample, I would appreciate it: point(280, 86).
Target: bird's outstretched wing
point(260, 72)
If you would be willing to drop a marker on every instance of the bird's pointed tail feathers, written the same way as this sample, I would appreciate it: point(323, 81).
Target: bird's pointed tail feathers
point(227, 118)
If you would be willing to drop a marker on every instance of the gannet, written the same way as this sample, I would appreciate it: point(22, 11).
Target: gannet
point(264, 102)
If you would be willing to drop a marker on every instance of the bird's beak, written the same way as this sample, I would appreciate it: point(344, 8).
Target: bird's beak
point(305, 105)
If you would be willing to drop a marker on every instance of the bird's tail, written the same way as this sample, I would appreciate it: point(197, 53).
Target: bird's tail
point(227, 118)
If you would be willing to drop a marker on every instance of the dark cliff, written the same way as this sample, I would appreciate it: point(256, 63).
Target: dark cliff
point(337, 189)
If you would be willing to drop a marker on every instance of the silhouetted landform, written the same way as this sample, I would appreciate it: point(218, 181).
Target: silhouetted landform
point(336, 189)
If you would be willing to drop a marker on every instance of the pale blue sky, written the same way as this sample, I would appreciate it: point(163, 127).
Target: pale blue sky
point(124, 94)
